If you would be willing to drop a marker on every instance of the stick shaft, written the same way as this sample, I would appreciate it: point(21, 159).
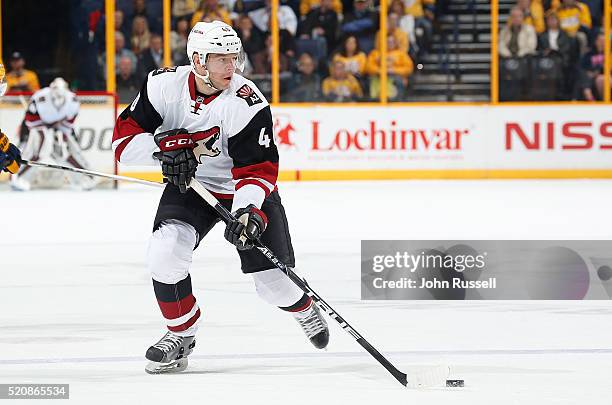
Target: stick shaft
point(91, 173)
point(227, 216)
point(303, 285)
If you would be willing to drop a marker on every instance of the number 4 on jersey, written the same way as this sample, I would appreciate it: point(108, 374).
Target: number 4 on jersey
point(264, 139)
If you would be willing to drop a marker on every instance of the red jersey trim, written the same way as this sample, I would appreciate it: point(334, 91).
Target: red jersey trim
point(220, 196)
point(32, 117)
point(194, 93)
point(244, 182)
point(122, 146)
point(267, 171)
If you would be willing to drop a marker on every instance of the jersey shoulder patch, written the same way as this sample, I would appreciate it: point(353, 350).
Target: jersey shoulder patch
point(249, 95)
point(161, 70)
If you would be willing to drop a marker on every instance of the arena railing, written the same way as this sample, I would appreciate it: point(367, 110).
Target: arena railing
point(384, 99)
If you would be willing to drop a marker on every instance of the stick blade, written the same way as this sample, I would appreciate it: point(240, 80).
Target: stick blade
point(429, 377)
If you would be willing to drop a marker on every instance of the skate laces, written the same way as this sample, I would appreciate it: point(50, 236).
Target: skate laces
point(311, 321)
point(169, 342)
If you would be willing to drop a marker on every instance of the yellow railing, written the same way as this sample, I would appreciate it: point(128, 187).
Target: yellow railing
point(494, 58)
point(494, 72)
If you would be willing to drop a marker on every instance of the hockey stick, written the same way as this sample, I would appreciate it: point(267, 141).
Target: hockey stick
point(435, 377)
point(91, 173)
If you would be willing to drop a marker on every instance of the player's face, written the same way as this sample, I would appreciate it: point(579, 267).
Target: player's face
point(221, 67)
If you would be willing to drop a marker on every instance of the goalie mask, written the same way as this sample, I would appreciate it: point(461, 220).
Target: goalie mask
point(214, 37)
point(59, 90)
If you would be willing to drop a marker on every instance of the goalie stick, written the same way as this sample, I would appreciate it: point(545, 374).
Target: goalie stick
point(434, 377)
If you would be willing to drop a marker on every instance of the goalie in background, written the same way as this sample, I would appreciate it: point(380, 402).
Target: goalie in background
point(51, 139)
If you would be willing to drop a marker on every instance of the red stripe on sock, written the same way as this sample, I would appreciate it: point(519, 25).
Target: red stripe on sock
point(176, 309)
point(304, 307)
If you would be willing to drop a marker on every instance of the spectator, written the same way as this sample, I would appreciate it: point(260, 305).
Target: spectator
point(119, 24)
point(211, 10)
point(533, 14)
point(141, 36)
point(555, 42)
point(152, 58)
point(406, 22)
point(306, 83)
point(399, 67)
point(127, 83)
point(287, 20)
point(340, 85)
point(306, 6)
point(575, 20)
point(120, 52)
point(154, 21)
point(362, 23)
point(252, 38)
point(423, 13)
point(262, 61)
point(401, 38)
point(592, 76)
point(595, 10)
point(184, 9)
point(178, 42)
point(517, 39)
point(321, 22)
point(19, 78)
point(353, 58)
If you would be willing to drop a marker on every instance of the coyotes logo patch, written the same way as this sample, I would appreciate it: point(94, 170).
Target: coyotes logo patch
point(204, 143)
point(248, 94)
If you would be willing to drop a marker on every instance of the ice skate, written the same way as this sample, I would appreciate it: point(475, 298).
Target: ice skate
point(314, 326)
point(169, 355)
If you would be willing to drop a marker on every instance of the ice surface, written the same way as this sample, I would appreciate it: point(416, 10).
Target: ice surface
point(77, 307)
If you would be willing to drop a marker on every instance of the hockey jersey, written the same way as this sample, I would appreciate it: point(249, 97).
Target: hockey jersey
point(231, 130)
point(49, 110)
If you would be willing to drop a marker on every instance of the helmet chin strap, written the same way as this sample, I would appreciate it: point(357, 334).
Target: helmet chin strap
point(205, 78)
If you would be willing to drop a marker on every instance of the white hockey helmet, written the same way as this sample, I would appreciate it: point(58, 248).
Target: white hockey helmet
point(3, 84)
point(213, 37)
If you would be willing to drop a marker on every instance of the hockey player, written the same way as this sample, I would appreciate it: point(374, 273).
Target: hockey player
point(50, 122)
point(10, 156)
point(208, 122)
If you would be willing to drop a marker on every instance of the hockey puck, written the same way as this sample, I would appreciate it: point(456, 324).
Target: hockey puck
point(455, 383)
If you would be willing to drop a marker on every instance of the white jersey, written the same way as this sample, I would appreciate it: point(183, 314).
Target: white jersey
point(231, 131)
point(47, 110)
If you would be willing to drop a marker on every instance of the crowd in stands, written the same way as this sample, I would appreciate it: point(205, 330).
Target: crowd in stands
point(328, 48)
point(552, 50)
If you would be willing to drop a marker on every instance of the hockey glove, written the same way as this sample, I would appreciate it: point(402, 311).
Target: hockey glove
point(250, 223)
point(176, 155)
point(10, 156)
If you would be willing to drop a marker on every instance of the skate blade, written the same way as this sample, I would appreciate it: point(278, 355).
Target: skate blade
point(165, 368)
point(429, 377)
